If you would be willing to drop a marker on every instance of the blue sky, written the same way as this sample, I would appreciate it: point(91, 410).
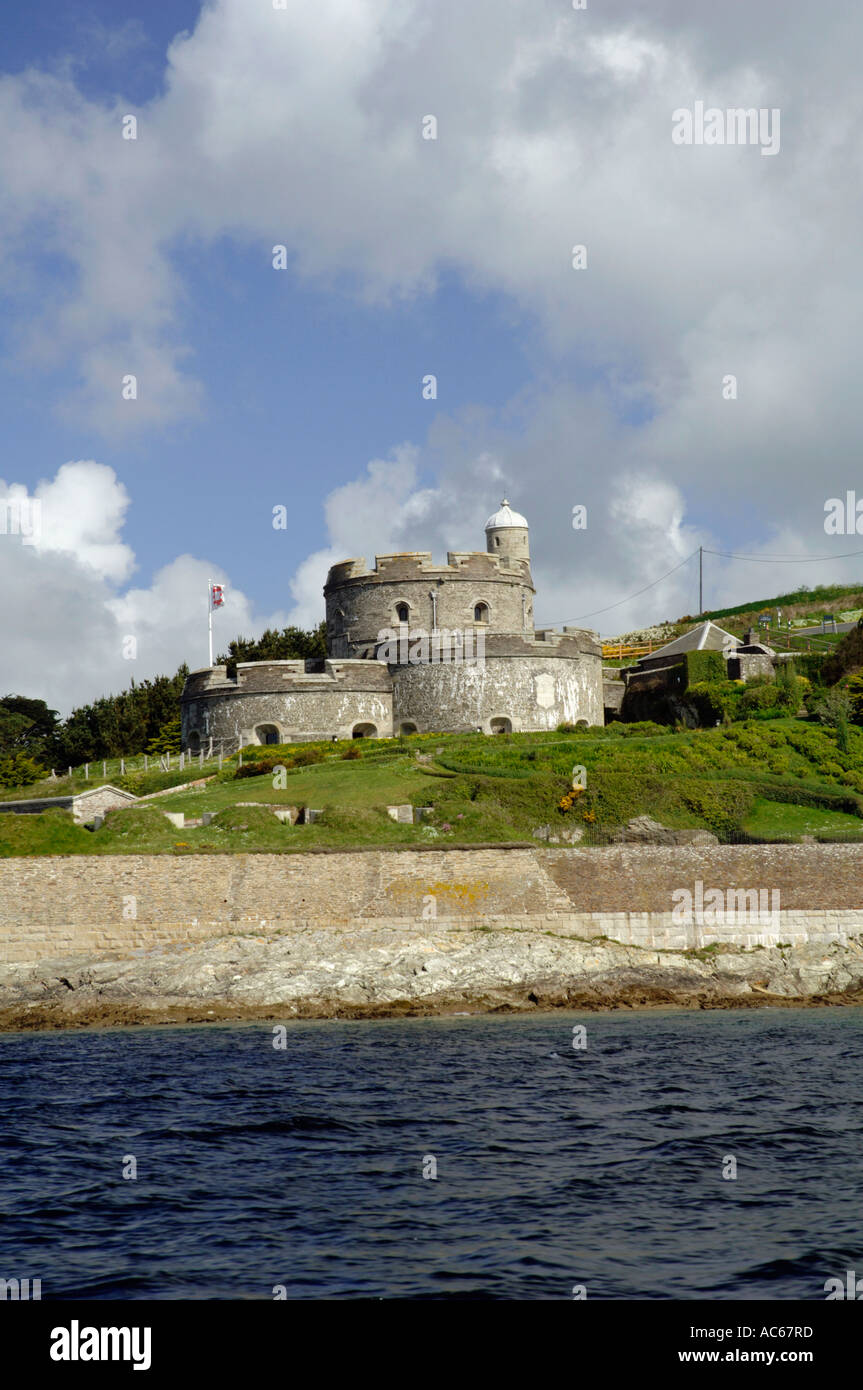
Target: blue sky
point(302, 387)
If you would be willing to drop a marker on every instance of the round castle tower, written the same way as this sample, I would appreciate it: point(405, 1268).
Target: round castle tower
point(506, 533)
point(487, 591)
point(414, 646)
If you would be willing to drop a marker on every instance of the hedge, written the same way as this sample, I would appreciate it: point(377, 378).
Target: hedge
point(705, 666)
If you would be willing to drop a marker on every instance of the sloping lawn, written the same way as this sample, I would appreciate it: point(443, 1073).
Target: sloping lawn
point(774, 820)
point(359, 783)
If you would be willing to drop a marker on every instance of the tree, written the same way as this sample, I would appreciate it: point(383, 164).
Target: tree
point(19, 770)
point(26, 724)
point(120, 725)
point(167, 740)
point(835, 711)
point(291, 644)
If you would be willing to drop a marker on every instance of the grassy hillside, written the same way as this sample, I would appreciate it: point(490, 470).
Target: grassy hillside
point(804, 607)
point(799, 603)
point(756, 780)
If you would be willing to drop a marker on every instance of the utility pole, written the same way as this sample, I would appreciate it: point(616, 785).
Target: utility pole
point(700, 580)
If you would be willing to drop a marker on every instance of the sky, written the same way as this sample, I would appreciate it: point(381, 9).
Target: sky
point(596, 379)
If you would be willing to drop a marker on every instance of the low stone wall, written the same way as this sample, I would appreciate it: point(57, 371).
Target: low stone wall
point(119, 904)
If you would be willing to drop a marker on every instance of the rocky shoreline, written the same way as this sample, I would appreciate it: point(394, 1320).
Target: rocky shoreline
point(375, 972)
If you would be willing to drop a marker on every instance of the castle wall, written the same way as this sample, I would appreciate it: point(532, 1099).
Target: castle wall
point(361, 603)
point(530, 691)
point(301, 703)
point(78, 904)
point(519, 679)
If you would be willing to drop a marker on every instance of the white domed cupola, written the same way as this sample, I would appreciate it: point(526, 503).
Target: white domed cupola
point(506, 533)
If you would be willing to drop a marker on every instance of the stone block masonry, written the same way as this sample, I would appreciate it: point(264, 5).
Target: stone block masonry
point(120, 904)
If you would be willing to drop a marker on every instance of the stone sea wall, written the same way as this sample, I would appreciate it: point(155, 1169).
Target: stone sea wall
point(118, 905)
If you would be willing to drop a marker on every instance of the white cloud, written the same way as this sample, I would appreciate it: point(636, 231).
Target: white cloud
point(64, 616)
point(303, 126)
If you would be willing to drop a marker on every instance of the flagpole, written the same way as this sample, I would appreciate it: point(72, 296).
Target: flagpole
point(210, 616)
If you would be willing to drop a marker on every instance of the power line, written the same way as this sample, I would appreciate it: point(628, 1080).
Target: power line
point(784, 559)
point(726, 555)
point(620, 602)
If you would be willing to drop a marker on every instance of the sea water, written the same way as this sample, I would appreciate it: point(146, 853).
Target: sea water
point(664, 1155)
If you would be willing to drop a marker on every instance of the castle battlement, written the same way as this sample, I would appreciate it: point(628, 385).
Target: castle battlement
point(499, 674)
point(403, 566)
point(270, 677)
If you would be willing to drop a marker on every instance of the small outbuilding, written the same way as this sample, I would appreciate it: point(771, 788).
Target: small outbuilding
point(95, 801)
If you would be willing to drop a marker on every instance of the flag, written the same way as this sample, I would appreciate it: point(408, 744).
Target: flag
point(217, 595)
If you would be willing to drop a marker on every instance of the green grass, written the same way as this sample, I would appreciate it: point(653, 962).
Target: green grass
point(776, 779)
point(771, 820)
point(381, 783)
point(137, 781)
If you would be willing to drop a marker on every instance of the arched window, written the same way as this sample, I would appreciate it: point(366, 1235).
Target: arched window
point(402, 612)
point(480, 613)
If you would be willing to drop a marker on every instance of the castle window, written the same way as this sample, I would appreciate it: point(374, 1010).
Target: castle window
point(402, 612)
point(497, 540)
point(480, 613)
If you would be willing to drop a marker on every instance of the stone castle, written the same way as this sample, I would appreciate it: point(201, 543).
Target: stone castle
point(412, 647)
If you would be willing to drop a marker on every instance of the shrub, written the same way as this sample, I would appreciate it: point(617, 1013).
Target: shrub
point(855, 692)
point(260, 762)
point(714, 701)
point(18, 770)
point(705, 666)
point(834, 707)
point(167, 740)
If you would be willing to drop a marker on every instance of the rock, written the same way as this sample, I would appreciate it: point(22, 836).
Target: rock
point(641, 830)
point(421, 969)
point(694, 837)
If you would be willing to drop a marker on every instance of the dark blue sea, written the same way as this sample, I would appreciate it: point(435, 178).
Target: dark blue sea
point(556, 1167)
